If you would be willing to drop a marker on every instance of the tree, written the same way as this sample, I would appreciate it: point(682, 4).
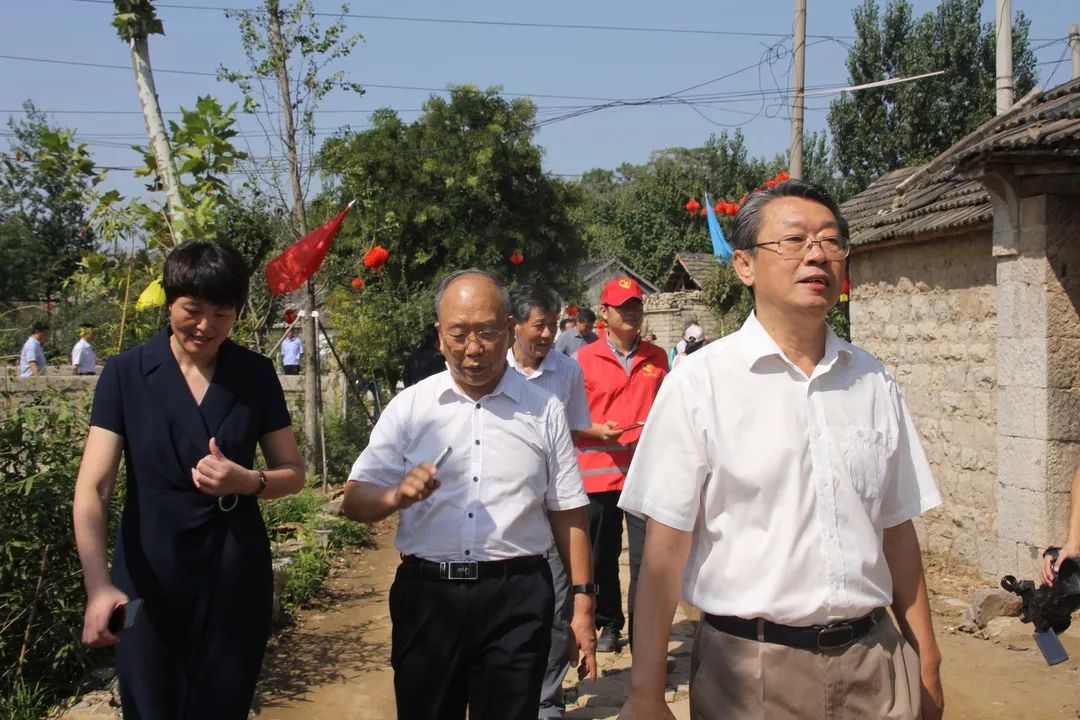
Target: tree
point(636, 213)
point(46, 182)
point(462, 186)
point(881, 129)
point(288, 53)
point(135, 21)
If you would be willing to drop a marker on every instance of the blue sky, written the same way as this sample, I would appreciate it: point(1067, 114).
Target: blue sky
point(531, 60)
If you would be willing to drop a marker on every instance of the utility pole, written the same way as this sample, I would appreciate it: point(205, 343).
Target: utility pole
point(280, 55)
point(798, 82)
point(1074, 48)
point(1003, 24)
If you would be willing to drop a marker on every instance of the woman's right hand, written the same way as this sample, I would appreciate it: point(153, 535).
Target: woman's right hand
point(99, 607)
point(1050, 566)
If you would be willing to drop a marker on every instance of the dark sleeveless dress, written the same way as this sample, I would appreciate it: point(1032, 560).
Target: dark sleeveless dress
point(203, 573)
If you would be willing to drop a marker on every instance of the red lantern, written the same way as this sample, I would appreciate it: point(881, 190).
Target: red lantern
point(704, 212)
point(782, 176)
point(376, 257)
point(693, 206)
point(571, 311)
point(517, 258)
point(290, 316)
point(357, 283)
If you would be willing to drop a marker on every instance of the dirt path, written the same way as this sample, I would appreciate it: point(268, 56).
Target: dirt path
point(335, 663)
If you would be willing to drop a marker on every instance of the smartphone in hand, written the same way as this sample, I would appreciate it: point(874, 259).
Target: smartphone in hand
point(124, 616)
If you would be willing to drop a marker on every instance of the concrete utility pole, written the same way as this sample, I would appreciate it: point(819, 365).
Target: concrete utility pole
point(1074, 48)
point(1003, 23)
point(798, 86)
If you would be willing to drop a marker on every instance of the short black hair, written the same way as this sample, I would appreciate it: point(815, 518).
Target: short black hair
point(747, 223)
point(533, 297)
point(566, 322)
point(586, 314)
point(210, 271)
point(39, 327)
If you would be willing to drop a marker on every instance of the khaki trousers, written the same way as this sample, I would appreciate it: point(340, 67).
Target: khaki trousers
point(731, 677)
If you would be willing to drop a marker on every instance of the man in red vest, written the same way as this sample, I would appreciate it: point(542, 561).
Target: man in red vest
point(622, 376)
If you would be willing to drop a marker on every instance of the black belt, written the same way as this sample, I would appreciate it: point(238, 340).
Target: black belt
point(471, 569)
point(815, 637)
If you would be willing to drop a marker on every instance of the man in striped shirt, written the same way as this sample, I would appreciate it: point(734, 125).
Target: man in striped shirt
point(535, 310)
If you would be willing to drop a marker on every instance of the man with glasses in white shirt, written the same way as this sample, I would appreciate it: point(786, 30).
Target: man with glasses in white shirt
point(472, 601)
point(779, 473)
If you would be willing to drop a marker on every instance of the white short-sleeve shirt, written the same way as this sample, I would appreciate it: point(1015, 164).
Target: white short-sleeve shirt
point(786, 482)
point(511, 459)
point(562, 377)
point(83, 356)
point(31, 352)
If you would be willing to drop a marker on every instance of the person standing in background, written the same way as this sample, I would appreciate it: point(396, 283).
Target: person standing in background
point(292, 347)
point(578, 336)
point(32, 356)
point(83, 357)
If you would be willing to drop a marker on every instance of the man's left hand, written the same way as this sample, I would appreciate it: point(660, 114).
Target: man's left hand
point(932, 697)
point(583, 640)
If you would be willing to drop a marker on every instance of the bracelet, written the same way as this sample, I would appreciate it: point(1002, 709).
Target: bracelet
point(262, 483)
point(586, 589)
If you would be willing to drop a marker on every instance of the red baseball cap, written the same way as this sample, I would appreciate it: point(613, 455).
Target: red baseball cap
point(619, 290)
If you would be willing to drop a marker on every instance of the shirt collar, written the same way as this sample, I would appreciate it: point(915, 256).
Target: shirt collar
point(547, 363)
point(755, 343)
point(509, 385)
point(620, 353)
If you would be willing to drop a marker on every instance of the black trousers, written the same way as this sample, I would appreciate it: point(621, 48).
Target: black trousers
point(635, 540)
point(291, 369)
point(481, 644)
point(605, 533)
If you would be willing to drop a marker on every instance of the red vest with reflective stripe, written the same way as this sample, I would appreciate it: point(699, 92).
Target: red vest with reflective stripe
point(613, 395)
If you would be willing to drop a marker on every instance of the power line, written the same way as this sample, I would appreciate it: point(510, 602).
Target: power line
point(492, 23)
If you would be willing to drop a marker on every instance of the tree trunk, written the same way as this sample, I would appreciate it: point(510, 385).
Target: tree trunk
point(155, 127)
point(311, 339)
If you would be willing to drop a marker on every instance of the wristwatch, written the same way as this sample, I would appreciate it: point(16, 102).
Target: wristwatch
point(586, 589)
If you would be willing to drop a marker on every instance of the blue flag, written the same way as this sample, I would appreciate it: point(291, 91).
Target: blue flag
point(720, 247)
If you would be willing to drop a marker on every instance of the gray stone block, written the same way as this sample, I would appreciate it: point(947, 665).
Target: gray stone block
point(990, 603)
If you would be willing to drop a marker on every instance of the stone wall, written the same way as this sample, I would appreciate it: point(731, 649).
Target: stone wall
point(1038, 258)
point(668, 314)
point(927, 310)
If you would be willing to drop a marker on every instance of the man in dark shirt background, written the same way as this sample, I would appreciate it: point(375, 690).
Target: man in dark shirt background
point(425, 360)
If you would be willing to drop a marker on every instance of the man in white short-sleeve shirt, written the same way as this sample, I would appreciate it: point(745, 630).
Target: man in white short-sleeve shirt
point(472, 601)
point(83, 357)
point(779, 472)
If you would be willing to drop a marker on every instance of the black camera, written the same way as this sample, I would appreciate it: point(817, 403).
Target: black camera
point(1049, 608)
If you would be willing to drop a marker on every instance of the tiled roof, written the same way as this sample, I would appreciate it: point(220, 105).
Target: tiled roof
point(689, 271)
point(939, 196)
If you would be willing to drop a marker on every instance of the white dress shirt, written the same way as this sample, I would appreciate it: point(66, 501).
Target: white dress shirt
point(511, 457)
point(83, 356)
point(562, 377)
point(786, 482)
point(291, 350)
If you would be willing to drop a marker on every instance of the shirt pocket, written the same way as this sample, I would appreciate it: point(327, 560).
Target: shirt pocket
point(867, 460)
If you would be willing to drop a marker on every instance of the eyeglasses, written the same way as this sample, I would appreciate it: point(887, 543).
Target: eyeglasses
point(835, 247)
point(485, 337)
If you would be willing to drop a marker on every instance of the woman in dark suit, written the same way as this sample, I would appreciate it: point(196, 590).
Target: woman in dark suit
point(186, 410)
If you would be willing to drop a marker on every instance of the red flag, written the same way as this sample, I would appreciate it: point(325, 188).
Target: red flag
point(302, 259)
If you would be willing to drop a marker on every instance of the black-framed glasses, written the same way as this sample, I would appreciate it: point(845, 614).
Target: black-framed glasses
point(485, 336)
point(835, 247)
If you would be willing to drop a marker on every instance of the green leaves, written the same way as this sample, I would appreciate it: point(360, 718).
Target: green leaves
point(878, 130)
point(136, 19)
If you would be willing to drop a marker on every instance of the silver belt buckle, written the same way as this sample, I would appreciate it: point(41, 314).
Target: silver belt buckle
point(459, 570)
point(843, 632)
point(232, 506)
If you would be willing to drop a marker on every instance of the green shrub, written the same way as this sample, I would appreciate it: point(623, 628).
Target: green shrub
point(41, 438)
point(307, 573)
point(301, 508)
point(26, 702)
point(345, 533)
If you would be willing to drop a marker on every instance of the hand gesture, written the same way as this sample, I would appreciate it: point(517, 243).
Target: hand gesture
point(217, 475)
point(611, 431)
point(99, 607)
point(417, 486)
point(583, 637)
point(1051, 566)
